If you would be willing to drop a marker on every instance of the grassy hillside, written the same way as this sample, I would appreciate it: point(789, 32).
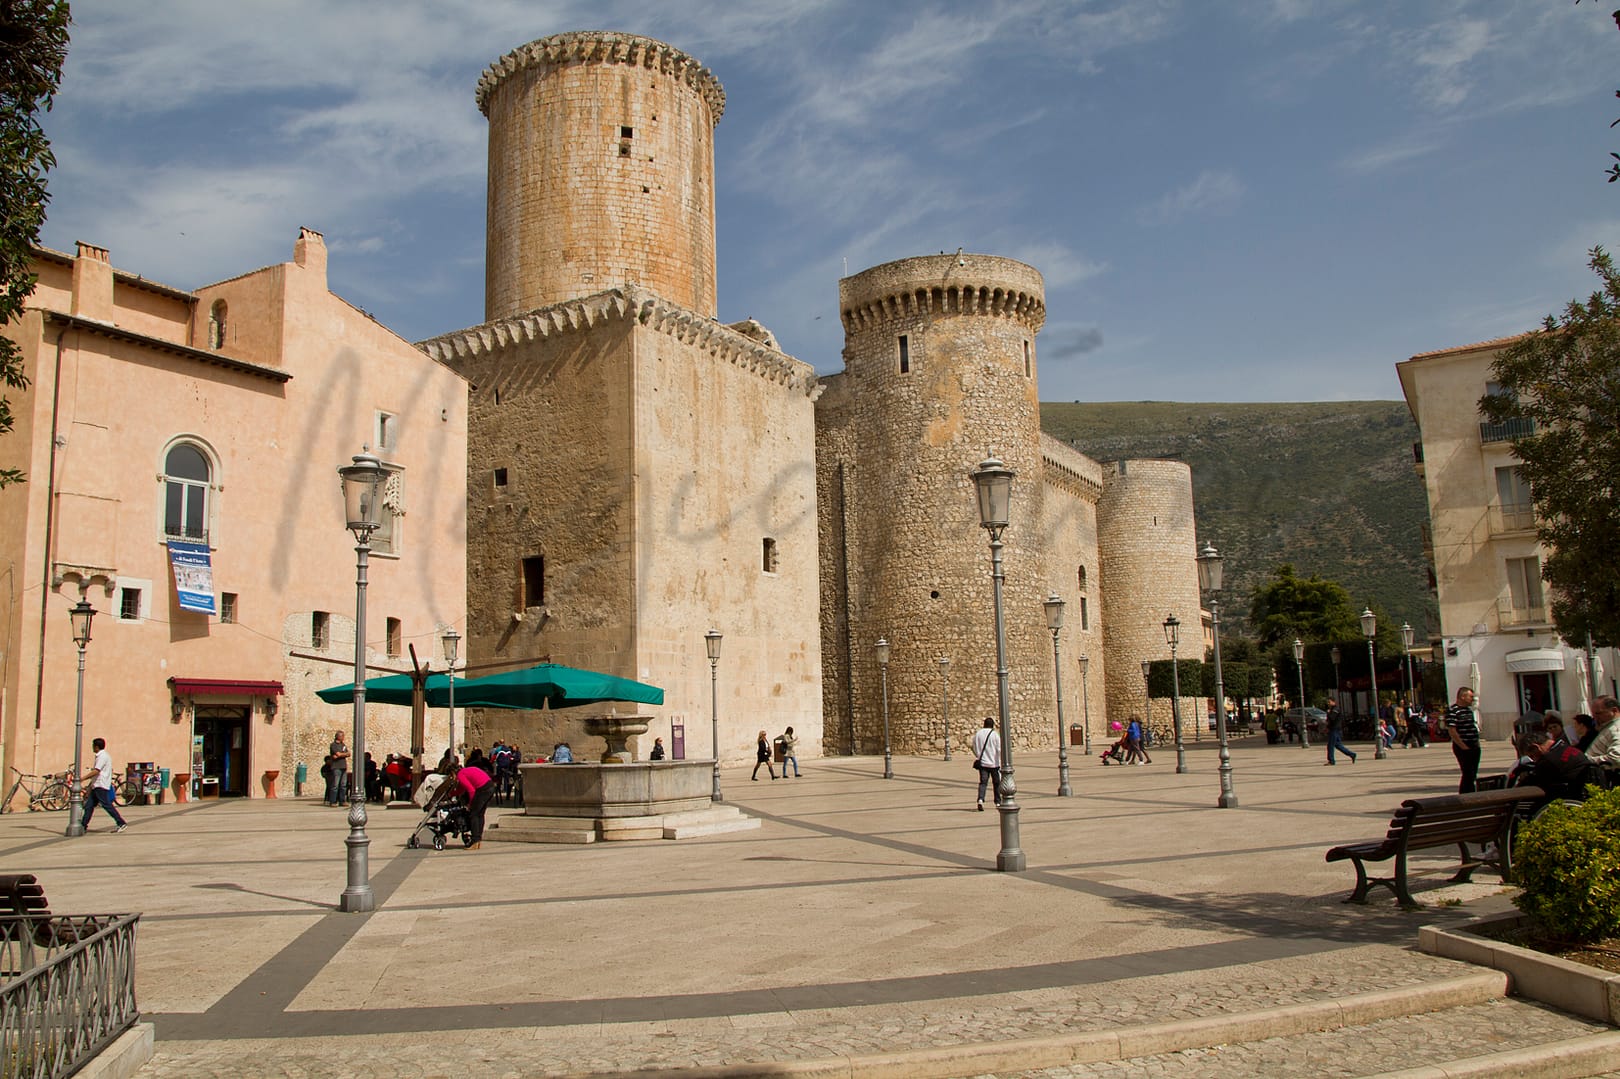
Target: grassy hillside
point(1328, 486)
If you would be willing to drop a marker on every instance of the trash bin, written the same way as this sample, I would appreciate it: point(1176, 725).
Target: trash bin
point(300, 775)
point(780, 749)
point(163, 781)
point(1077, 737)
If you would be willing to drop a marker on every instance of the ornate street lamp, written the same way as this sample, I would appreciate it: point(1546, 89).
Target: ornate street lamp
point(1209, 580)
point(945, 700)
point(881, 649)
point(1369, 628)
point(1085, 699)
point(81, 614)
point(1336, 656)
point(711, 642)
point(363, 483)
point(1406, 648)
point(1304, 718)
point(452, 642)
point(992, 482)
point(1147, 701)
point(1054, 622)
point(1172, 636)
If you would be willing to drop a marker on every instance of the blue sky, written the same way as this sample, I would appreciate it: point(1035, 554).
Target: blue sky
point(1244, 200)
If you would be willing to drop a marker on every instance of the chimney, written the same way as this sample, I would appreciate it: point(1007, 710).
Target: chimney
point(310, 252)
point(92, 283)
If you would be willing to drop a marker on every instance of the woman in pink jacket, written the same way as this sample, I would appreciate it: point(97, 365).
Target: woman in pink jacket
point(478, 788)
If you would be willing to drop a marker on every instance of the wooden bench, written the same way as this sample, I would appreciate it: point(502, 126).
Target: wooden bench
point(1424, 823)
point(22, 895)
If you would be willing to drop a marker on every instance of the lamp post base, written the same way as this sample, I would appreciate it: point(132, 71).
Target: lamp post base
point(1226, 801)
point(358, 898)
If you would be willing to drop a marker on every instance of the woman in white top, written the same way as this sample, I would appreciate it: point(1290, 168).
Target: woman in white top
point(987, 759)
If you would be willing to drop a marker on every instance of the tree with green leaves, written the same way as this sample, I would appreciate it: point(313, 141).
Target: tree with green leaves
point(1565, 379)
point(1310, 608)
point(33, 47)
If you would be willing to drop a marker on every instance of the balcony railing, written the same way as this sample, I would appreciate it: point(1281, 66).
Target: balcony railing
point(67, 990)
point(1509, 615)
point(1507, 430)
point(1513, 518)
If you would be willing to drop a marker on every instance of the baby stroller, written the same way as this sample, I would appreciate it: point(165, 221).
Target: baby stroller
point(1115, 752)
point(444, 813)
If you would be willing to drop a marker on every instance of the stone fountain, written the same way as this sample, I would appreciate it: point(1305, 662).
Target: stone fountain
point(618, 798)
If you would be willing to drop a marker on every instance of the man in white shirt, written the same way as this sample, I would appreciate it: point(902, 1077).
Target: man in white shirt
point(100, 791)
point(1605, 748)
point(987, 759)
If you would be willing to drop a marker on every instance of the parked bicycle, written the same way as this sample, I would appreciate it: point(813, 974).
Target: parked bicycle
point(49, 792)
point(126, 791)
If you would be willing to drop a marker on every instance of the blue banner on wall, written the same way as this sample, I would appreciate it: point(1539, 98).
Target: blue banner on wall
point(193, 576)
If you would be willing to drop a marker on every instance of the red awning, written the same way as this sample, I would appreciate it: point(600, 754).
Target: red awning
point(223, 687)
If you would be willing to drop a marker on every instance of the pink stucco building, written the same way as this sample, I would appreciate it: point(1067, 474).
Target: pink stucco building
point(212, 422)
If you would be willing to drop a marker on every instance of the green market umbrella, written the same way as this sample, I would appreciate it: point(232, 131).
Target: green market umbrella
point(546, 685)
point(549, 685)
point(389, 689)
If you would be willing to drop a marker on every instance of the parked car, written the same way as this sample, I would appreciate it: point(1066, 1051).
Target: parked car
point(1314, 716)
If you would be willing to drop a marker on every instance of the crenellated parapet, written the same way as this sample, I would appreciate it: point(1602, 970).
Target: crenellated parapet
point(626, 304)
point(605, 47)
point(943, 285)
point(1066, 468)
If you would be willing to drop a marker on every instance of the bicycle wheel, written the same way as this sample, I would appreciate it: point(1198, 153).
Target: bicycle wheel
point(55, 797)
point(126, 793)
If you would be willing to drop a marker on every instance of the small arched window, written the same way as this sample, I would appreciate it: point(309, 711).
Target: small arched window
point(186, 479)
point(1082, 578)
point(216, 325)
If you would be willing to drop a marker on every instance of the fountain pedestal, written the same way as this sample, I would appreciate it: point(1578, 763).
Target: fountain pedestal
point(617, 731)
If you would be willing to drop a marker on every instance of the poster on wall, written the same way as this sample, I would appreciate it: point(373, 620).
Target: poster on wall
point(193, 576)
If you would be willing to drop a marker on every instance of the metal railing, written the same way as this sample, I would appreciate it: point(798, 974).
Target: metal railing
point(67, 990)
point(1507, 430)
point(1509, 615)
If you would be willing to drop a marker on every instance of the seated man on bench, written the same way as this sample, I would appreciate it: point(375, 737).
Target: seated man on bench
point(1556, 766)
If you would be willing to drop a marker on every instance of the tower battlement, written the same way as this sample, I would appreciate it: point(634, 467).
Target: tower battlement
point(604, 47)
point(958, 284)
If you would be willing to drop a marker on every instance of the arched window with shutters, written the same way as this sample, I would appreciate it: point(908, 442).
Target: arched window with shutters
point(216, 325)
point(188, 477)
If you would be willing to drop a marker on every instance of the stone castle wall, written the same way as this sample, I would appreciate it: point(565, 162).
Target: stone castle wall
point(601, 172)
point(898, 445)
point(647, 454)
point(1148, 540)
point(1073, 484)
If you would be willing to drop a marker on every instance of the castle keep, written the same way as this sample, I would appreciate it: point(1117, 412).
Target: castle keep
point(639, 472)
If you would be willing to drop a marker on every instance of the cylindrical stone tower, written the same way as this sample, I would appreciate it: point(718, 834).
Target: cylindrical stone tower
point(940, 354)
point(1148, 541)
point(601, 172)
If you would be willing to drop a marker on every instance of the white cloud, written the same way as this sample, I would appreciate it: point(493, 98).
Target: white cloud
point(1210, 191)
point(1059, 265)
point(1396, 151)
point(1443, 54)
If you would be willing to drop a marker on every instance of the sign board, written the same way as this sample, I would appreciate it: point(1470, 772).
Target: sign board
point(193, 576)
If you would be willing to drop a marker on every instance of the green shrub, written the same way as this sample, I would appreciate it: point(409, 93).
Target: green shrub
point(1568, 862)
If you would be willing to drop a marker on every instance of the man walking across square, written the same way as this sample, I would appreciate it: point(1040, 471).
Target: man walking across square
point(100, 791)
point(1463, 730)
point(987, 759)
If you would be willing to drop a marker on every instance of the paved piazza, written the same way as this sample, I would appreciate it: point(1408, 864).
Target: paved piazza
point(864, 917)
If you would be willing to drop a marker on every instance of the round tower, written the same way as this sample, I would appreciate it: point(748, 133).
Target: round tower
point(1148, 541)
point(939, 355)
point(601, 172)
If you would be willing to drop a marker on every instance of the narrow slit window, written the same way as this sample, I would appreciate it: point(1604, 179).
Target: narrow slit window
point(320, 629)
point(768, 558)
point(534, 581)
point(395, 637)
point(1085, 618)
point(905, 354)
point(1028, 366)
point(227, 607)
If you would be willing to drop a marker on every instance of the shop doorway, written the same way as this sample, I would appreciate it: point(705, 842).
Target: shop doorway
point(1538, 692)
point(220, 751)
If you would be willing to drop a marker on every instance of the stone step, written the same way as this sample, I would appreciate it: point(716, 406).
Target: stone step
point(688, 824)
point(1504, 1037)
